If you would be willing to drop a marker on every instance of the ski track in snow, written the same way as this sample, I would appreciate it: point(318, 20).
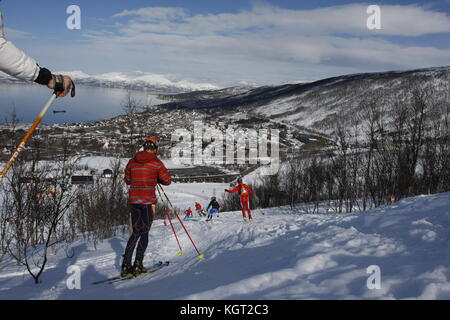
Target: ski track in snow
point(283, 254)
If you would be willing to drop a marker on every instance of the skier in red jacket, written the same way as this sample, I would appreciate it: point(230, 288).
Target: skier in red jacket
point(246, 193)
point(142, 173)
point(188, 214)
point(199, 209)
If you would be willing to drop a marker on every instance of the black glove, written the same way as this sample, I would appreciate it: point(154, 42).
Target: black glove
point(59, 85)
point(44, 76)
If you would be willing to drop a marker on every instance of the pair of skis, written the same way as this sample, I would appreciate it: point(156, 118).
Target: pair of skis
point(152, 269)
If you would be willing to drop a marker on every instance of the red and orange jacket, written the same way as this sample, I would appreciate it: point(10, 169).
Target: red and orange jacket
point(188, 212)
point(243, 189)
point(142, 173)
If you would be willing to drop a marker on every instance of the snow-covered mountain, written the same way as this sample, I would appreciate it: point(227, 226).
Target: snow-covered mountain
point(319, 104)
point(141, 80)
point(283, 254)
point(137, 80)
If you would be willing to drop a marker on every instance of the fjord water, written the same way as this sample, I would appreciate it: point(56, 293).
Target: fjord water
point(90, 103)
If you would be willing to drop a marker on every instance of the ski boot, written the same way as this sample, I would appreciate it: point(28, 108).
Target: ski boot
point(245, 219)
point(127, 268)
point(138, 267)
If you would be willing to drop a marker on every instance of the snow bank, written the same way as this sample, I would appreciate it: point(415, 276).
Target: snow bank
point(283, 254)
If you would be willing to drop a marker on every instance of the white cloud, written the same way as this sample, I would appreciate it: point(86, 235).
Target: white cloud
point(154, 13)
point(16, 34)
point(265, 44)
point(350, 19)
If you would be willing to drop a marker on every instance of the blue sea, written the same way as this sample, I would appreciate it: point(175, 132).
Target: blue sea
point(90, 103)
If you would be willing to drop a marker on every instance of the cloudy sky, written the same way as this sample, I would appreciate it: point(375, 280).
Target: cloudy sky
point(231, 42)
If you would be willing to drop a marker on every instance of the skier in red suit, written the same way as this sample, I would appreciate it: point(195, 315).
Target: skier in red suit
point(246, 193)
point(199, 209)
point(188, 214)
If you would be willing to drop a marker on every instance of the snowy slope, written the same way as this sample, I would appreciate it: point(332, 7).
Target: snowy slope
point(283, 254)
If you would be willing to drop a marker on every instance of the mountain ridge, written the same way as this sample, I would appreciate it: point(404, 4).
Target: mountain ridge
point(316, 104)
point(137, 80)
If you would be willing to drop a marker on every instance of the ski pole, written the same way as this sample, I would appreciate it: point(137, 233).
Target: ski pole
point(180, 253)
point(175, 234)
point(35, 124)
point(168, 200)
point(159, 189)
point(21, 146)
point(200, 255)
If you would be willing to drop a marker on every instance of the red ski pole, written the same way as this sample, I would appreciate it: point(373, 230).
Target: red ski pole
point(200, 255)
point(171, 224)
point(175, 234)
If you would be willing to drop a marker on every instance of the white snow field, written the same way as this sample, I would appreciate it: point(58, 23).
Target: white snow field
point(283, 254)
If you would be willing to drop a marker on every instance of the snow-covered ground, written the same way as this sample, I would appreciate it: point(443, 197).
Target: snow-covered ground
point(283, 254)
point(184, 195)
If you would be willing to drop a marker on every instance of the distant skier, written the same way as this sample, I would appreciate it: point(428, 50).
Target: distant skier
point(391, 199)
point(215, 207)
point(142, 173)
point(246, 193)
point(18, 64)
point(199, 209)
point(188, 214)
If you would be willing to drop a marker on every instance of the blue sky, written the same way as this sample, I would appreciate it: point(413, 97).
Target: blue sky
point(231, 42)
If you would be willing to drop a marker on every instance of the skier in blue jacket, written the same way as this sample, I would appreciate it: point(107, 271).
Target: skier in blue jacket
point(215, 207)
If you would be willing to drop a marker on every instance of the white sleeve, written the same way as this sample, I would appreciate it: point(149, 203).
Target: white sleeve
point(14, 61)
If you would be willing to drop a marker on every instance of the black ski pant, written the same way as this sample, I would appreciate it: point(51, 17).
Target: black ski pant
point(141, 221)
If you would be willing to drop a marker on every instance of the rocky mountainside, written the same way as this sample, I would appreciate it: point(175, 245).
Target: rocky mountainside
point(317, 105)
